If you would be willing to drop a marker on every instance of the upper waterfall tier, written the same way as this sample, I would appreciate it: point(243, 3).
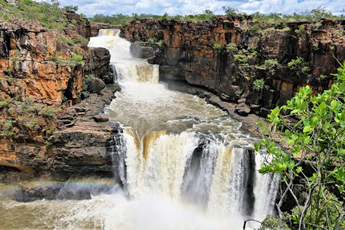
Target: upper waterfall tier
point(128, 68)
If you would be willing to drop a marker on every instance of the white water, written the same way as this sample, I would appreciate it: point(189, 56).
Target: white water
point(183, 163)
point(163, 131)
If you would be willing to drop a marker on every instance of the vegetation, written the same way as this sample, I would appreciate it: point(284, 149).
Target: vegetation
point(272, 223)
point(217, 46)
point(258, 84)
point(48, 13)
point(78, 59)
point(23, 113)
point(120, 19)
point(316, 139)
point(300, 66)
point(300, 29)
point(271, 64)
point(231, 48)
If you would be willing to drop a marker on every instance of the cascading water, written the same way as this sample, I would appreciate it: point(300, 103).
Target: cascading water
point(179, 148)
point(180, 163)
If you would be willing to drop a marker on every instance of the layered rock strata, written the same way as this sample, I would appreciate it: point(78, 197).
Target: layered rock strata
point(241, 60)
point(44, 73)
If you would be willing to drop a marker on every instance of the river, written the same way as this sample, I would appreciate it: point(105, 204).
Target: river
point(180, 163)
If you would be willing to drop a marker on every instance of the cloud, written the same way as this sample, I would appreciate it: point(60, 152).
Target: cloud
point(173, 7)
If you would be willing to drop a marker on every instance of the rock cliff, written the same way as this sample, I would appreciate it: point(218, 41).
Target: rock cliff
point(44, 73)
point(258, 65)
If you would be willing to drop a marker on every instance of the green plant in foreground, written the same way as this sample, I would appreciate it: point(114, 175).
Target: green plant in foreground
point(316, 139)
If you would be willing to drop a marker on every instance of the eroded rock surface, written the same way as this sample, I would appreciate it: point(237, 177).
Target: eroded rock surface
point(228, 55)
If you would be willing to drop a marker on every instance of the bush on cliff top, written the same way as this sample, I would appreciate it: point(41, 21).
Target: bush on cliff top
point(48, 13)
point(316, 139)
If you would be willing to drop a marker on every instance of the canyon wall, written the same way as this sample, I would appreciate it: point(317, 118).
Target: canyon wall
point(242, 60)
point(44, 73)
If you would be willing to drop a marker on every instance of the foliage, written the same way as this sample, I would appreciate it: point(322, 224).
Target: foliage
point(31, 123)
point(331, 209)
point(300, 66)
point(160, 43)
point(255, 28)
point(217, 46)
point(300, 29)
point(231, 48)
point(48, 112)
point(272, 223)
point(241, 58)
point(317, 139)
point(258, 84)
point(77, 59)
point(270, 64)
point(49, 13)
point(231, 11)
point(152, 40)
point(120, 19)
point(71, 8)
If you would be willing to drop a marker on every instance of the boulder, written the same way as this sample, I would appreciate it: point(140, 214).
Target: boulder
point(242, 109)
point(96, 85)
point(101, 118)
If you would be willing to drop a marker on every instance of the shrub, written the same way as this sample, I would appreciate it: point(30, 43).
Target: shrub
point(255, 28)
point(300, 29)
point(31, 123)
point(217, 46)
point(258, 84)
point(241, 58)
point(77, 59)
point(231, 48)
point(300, 66)
point(270, 64)
point(48, 112)
point(272, 223)
point(316, 136)
point(152, 40)
point(160, 43)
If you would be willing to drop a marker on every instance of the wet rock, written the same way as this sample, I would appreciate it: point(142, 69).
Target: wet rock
point(96, 85)
point(242, 109)
point(101, 118)
point(242, 100)
point(29, 194)
point(108, 79)
point(84, 95)
point(255, 108)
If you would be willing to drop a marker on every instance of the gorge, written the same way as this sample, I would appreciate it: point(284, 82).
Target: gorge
point(100, 133)
point(175, 150)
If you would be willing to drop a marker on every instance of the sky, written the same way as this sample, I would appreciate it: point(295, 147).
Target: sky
point(183, 7)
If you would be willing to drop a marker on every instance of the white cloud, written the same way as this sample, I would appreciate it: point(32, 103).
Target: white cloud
point(173, 7)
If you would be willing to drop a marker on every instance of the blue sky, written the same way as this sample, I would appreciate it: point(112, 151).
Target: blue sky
point(173, 7)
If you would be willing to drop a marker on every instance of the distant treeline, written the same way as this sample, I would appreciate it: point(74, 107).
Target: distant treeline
point(312, 15)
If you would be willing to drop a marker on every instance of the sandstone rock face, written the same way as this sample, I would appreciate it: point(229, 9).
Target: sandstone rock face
point(191, 53)
point(42, 74)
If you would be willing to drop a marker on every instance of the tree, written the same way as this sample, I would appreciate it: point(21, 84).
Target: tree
point(231, 11)
point(316, 138)
point(71, 8)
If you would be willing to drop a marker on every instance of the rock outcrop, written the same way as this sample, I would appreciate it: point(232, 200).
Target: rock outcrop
point(44, 74)
point(236, 57)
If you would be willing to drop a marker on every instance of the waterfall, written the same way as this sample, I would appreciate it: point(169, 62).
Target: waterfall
point(180, 151)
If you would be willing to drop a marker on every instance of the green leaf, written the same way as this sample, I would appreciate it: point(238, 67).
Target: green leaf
point(307, 129)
